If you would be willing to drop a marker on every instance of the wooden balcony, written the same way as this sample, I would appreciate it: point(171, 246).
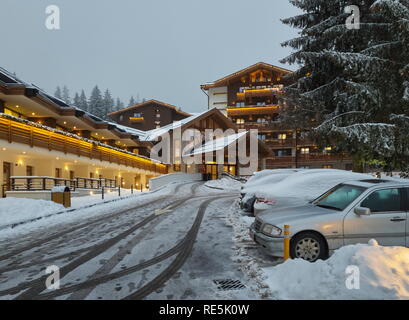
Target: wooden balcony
point(253, 110)
point(258, 93)
point(264, 126)
point(35, 136)
point(306, 159)
point(136, 119)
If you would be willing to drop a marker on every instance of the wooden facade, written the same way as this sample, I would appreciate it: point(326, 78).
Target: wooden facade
point(148, 115)
point(253, 99)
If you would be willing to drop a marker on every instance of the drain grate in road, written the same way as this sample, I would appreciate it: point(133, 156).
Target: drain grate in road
point(228, 284)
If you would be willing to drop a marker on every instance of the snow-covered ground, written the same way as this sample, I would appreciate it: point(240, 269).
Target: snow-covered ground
point(227, 184)
point(21, 216)
point(222, 249)
point(363, 271)
point(15, 211)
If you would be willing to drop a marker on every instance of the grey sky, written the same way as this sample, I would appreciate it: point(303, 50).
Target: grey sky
point(160, 49)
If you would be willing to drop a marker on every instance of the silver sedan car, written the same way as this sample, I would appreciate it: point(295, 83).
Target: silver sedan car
point(350, 213)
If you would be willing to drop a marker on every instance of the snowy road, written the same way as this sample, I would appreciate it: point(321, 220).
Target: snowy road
point(173, 247)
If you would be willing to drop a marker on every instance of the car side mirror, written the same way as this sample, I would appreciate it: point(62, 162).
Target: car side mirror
point(360, 211)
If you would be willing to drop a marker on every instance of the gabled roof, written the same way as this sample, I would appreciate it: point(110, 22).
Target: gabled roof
point(244, 71)
point(150, 102)
point(152, 135)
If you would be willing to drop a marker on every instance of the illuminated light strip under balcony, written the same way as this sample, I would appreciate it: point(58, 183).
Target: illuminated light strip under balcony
point(253, 108)
point(80, 141)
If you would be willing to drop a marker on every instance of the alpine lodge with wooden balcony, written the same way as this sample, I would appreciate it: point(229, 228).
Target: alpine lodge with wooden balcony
point(253, 99)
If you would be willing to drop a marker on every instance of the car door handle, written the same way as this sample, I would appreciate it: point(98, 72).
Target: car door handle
point(398, 219)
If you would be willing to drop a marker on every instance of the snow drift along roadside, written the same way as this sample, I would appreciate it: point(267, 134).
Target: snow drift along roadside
point(15, 210)
point(227, 184)
point(383, 273)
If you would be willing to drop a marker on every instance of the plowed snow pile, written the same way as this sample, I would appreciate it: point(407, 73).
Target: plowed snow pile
point(383, 274)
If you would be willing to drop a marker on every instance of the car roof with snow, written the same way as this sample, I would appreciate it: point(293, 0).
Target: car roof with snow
point(370, 183)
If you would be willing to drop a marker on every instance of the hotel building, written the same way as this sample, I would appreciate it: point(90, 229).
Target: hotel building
point(54, 143)
point(252, 99)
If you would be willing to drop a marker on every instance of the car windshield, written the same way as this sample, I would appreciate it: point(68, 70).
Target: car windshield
point(339, 197)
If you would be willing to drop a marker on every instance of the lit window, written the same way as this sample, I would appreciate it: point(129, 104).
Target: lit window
point(282, 136)
point(305, 150)
point(240, 121)
point(158, 115)
point(262, 137)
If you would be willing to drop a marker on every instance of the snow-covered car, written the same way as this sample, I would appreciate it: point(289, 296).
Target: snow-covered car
point(258, 181)
point(350, 213)
point(300, 188)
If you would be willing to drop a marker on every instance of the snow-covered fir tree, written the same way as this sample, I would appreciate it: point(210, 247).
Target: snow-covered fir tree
point(83, 102)
point(58, 93)
point(352, 86)
point(96, 104)
point(66, 95)
point(108, 102)
point(132, 102)
point(119, 104)
point(76, 100)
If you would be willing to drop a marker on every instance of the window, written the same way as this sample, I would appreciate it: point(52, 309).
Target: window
point(262, 137)
point(91, 175)
point(383, 201)
point(282, 136)
point(327, 166)
point(305, 150)
point(121, 117)
point(158, 115)
point(72, 175)
point(240, 121)
point(57, 172)
point(137, 115)
point(339, 197)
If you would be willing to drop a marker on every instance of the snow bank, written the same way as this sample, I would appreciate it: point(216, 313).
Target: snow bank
point(225, 184)
point(383, 272)
point(14, 210)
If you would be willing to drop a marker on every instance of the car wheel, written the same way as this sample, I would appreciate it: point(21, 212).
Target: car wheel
point(308, 246)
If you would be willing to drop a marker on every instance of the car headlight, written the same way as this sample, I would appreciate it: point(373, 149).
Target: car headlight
point(272, 230)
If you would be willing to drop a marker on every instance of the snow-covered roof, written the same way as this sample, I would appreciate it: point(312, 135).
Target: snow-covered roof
point(217, 144)
point(154, 134)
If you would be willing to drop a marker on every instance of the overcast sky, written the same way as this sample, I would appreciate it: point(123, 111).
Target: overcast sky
point(160, 49)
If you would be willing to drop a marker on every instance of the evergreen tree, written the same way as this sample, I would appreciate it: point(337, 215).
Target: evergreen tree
point(58, 93)
point(108, 103)
point(76, 100)
point(119, 104)
point(132, 102)
point(83, 101)
point(66, 95)
point(96, 104)
point(351, 80)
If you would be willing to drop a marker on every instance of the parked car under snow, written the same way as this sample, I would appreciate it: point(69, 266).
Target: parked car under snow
point(257, 183)
point(300, 188)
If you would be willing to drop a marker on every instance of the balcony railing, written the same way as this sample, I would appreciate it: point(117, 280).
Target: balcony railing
point(93, 184)
point(34, 136)
point(308, 158)
point(29, 183)
point(39, 183)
